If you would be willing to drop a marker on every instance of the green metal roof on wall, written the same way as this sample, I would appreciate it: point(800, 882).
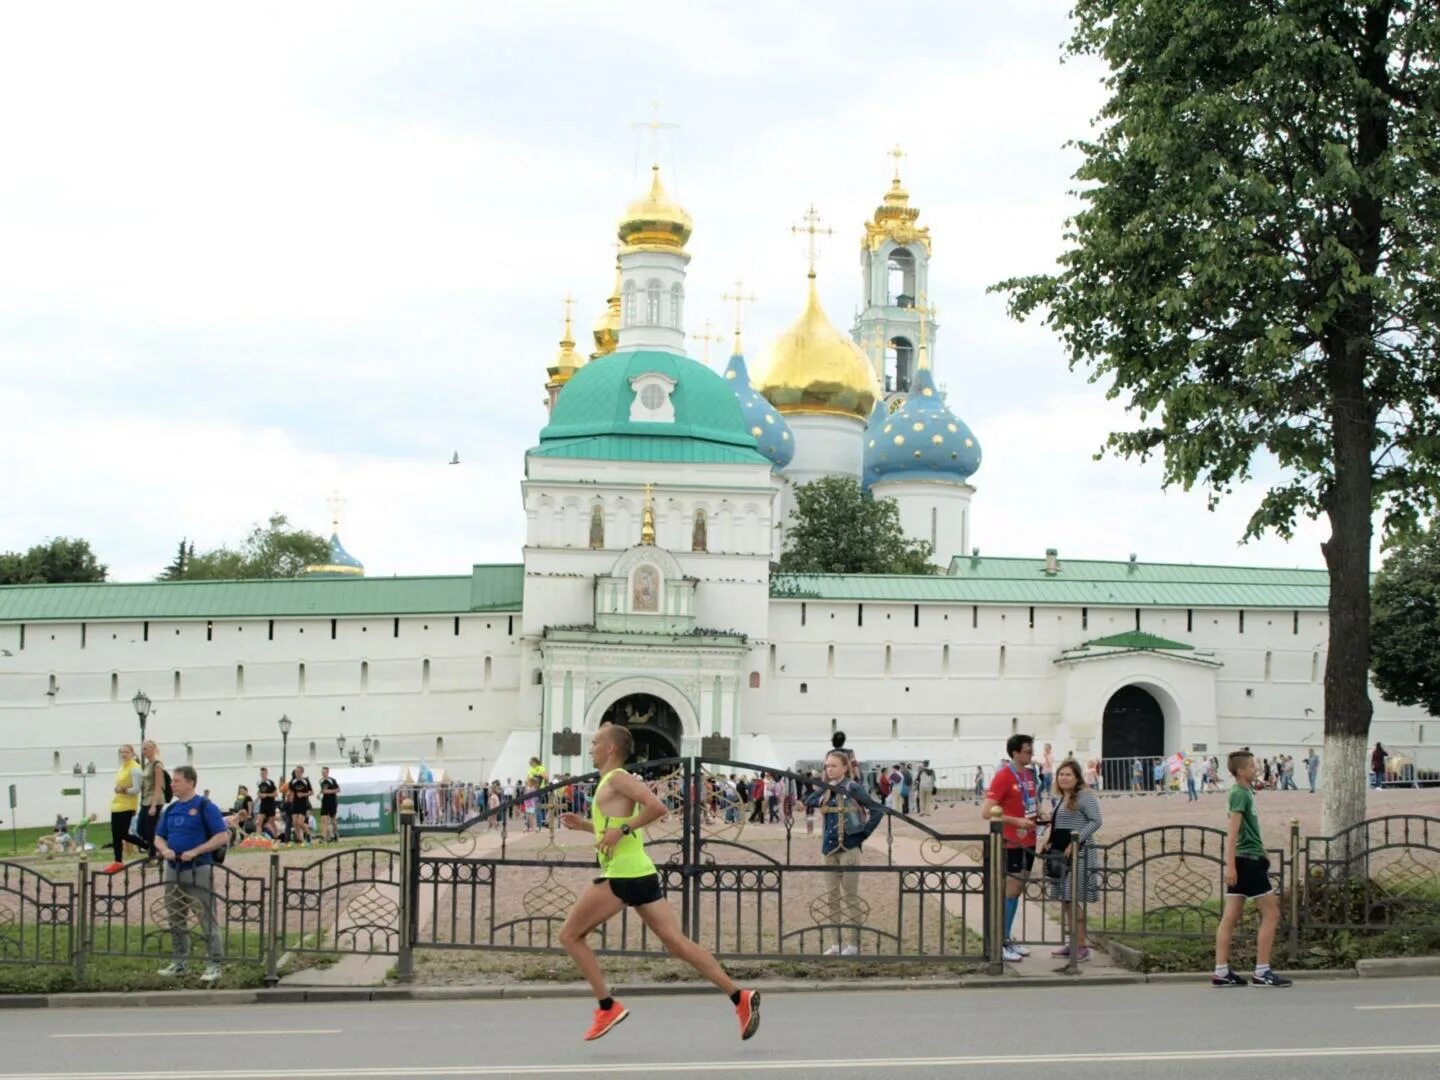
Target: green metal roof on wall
point(991, 568)
point(1258, 588)
point(1136, 639)
point(486, 588)
point(648, 448)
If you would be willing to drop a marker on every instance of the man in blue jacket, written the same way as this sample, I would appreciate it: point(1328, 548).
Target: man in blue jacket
point(850, 816)
point(190, 830)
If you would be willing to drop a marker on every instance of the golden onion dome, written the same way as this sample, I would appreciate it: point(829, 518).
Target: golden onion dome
point(567, 361)
point(655, 221)
point(815, 369)
point(607, 328)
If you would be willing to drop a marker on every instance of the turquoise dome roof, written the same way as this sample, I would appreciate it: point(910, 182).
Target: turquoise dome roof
point(598, 398)
point(767, 426)
point(922, 439)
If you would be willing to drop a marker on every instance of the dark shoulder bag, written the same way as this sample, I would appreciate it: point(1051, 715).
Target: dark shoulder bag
point(1056, 864)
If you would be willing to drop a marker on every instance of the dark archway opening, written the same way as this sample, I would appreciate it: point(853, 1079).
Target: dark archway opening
point(1134, 728)
point(653, 722)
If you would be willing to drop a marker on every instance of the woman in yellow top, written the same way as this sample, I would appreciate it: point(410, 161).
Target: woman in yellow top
point(620, 809)
point(123, 805)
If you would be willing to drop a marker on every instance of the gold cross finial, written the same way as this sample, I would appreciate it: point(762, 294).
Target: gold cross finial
point(707, 337)
point(335, 502)
point(739, 298)
point(811, 229)
point(569, 338)
point(926, 313)
point(897, 154)
point(647, 517)
point(656, 125)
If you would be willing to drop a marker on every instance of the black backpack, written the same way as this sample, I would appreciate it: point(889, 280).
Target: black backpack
point(169, 791)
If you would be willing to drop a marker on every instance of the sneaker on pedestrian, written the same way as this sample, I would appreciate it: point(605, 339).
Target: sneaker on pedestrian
point(850, 950)
point(1015, 945)
point(113, 868)
point(1085, 954)
point(1228, 979)
point(748, 1012)
point(1270, 978)
point(1012, 954)
point(170, 971)
point(605, 1019)
point(1063, 950)
point(212, 974)
point(833, 950)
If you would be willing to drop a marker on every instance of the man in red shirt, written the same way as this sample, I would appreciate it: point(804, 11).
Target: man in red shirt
point(1013, 790)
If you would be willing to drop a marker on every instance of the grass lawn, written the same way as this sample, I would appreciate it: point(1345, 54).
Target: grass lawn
point(35, 960)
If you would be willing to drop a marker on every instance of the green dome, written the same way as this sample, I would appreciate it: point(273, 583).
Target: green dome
point(598, 399)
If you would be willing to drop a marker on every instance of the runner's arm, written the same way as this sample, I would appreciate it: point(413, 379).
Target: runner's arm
point(650, 808)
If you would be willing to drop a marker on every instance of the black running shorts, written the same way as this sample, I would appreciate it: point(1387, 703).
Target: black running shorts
point(1252, 878)
point(1019, 860)
point(635, 891)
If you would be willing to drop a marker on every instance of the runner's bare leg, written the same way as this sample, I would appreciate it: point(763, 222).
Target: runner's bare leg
point(597, 905)
point(660, 918)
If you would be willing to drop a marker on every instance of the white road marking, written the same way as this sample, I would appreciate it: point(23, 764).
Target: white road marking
point(1426, 1005)
point(641, 1067)
point(188, 1034)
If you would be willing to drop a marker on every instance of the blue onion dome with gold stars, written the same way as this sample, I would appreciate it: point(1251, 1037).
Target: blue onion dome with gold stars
point(762, 420)
point(922, 439)
point(339, 563)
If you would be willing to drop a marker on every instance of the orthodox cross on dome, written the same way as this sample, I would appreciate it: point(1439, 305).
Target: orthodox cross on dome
point(569, 302)
point(811, 229)
point(336, 503)
point(708, 337)
point(739, 298)
point(897, 154)
point(655, 126)
point(926, 313)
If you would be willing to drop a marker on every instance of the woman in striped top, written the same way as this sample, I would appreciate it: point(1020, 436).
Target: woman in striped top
point(1076, 819)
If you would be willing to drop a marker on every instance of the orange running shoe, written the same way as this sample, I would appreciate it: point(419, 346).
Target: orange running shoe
point(605, 1019)
point(749, 1013)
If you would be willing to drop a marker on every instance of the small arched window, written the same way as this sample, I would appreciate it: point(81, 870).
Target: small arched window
point(653, 288)
point(627, 317)
point(677, 305)
point(597, 527)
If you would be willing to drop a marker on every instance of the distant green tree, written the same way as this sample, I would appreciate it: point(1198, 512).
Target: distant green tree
point(176, 570)
point(1405, 623)
point(273, 550)
point(839, 528)
point(63, 559)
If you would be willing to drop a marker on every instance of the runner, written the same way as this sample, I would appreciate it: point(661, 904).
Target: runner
point(265, 792)
point(329, 806)
point(619, 810)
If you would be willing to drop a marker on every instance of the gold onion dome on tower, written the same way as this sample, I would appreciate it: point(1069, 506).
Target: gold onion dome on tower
point(656, 221)
point(607, 328)
point(567, 361)
point(813, 368)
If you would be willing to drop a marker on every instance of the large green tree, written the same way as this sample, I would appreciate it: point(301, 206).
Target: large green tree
point(1406, 623)
point(1254, 271)
point(836, 527)
point(272, 550)
point(62, 559)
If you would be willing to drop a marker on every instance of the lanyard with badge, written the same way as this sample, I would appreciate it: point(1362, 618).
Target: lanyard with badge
point(1028, 794)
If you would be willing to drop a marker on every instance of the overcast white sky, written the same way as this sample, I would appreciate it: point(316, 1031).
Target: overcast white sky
point(252, 255)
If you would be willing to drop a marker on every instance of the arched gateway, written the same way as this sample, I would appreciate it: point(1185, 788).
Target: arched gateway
point(653, 722)
point(1134, 727)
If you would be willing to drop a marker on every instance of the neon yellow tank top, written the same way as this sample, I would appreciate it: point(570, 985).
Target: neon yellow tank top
point(630, 859)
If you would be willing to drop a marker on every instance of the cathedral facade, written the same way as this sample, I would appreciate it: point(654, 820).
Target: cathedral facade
point(655, 500)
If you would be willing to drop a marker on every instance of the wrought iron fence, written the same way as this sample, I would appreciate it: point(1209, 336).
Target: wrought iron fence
point(744, 888)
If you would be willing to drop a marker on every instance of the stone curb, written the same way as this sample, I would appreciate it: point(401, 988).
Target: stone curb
point(1398, 968)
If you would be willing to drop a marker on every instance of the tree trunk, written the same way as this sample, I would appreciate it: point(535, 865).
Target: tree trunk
point(1347, 555)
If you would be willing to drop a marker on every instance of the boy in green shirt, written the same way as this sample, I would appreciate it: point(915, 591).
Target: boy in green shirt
point(1247, 877)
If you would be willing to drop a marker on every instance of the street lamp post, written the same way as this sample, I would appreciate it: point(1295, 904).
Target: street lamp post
point(284, 744)
point(141, 701)
point(84, 775)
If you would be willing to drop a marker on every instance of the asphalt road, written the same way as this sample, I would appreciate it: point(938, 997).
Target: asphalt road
point(1381, 1029)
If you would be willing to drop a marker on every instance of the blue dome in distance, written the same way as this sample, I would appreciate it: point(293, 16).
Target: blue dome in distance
point(922, 439)
point(772, 434)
